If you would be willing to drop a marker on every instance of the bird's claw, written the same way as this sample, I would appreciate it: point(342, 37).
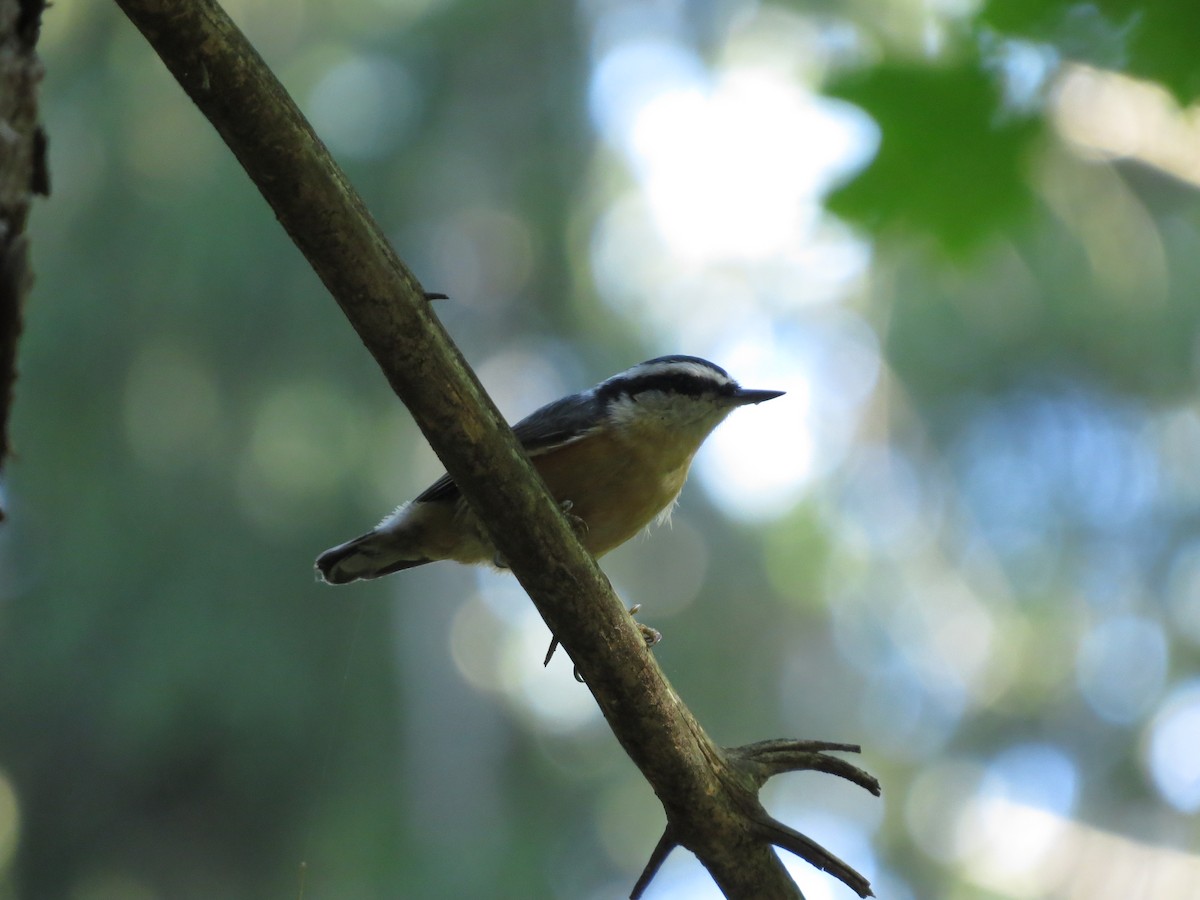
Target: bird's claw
point(650, 635)
point(578, 525)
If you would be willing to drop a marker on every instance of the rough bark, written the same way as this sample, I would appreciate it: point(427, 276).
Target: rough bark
point(710, 795)
point(22, 175)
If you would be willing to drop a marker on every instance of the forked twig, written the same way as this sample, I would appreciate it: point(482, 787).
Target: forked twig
point(751, 766)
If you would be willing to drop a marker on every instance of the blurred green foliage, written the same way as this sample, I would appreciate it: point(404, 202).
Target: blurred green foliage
point(994, 560)
point(1149, 40)
point(963, 189)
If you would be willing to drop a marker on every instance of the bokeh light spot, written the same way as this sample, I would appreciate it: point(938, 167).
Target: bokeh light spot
point(473, 645)
point(364, 106)
point(305, 440)
point(1172, 750)
point(172, 407)
point(171, 147)
point(631, 75)
point(936, 802)
point(1035, 774)
point(629, 819)
point(10, 822)
point(1008, 842)
point(757, 466)
point(732, 164)
point(547, 696)
point(735, 172)
point(1183, 591)
point(672, 557)
point(483, 256)
point(303, 434)
point(1121, 667)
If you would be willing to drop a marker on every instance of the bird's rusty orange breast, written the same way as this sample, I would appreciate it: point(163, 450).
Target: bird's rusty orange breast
point(613, 487)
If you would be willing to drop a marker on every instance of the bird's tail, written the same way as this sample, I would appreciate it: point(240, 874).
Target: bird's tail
point(367, 556)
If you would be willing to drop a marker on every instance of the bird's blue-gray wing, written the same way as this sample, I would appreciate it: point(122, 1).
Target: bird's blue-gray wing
point(554, 425)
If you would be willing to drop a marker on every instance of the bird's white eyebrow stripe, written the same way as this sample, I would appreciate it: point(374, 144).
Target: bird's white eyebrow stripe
point(656, 368)
point(680, 375)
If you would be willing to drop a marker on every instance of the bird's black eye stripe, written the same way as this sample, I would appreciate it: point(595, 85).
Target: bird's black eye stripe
point(667, 383)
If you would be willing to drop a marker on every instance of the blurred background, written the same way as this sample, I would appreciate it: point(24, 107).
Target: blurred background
point(963, 237)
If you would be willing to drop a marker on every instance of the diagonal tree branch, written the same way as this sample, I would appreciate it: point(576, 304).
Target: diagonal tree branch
point(709, 801)
point(22, 175)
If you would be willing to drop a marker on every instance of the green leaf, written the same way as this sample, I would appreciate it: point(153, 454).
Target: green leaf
point(1159, 41)
point(1164, 43)
point(951, 162)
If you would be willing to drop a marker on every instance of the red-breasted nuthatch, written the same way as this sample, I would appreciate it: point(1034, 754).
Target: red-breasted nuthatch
point(614, 456)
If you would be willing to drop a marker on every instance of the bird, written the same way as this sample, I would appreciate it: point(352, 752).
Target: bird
point(614, 456)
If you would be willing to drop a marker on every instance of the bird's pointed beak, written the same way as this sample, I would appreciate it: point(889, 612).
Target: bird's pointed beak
point(744, 396)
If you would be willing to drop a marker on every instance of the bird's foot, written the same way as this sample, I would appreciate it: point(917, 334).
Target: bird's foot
point(578, 525)
point(650, 635)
